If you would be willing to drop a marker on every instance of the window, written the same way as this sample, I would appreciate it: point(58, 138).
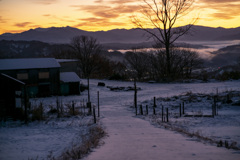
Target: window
point(43, 75)
point(22, 76)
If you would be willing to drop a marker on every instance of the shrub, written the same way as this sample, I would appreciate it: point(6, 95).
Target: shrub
point(37, 113)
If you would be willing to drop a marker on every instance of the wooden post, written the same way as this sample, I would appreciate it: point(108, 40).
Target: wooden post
point(83, 107)
point(89, 106)
point(98, 105)
point(25, 104)
point(162, 113)
point(141, 110)
point(154, 105)
point(135, 94)
point(167, 113)
point(154, 101)
point(146, 109)
point(183, 108)
point(213, 110)
point(180, 110)
point(215, 105)
point(73, 108)
point(94, 115)
point(58, 112)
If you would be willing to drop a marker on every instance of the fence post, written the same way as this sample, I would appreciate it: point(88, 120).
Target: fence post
point(141, 110)
point(98, 105)
point(146, 109)
point(180, 110)
point(213, 110)
point(154, 105)
point(73, 108)
point(135, 94)
point(58, 112)
point(83, 107)
point(162, 113)
point(89, 106)
point(167, 113)
point(94, 115)
point(183, 107)
point(154, 101)
point(136, 110)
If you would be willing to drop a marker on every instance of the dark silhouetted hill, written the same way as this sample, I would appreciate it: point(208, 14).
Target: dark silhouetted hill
point(65, 34)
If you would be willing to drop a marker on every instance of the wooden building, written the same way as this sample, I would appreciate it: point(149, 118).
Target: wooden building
point(70, 83)
point(41, 75)
point(21, 79)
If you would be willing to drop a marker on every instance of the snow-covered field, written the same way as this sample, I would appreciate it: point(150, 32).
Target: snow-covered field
point(225, 126)
point(40, 139)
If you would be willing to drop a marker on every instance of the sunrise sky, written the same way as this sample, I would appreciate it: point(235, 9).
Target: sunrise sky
point(93, 15)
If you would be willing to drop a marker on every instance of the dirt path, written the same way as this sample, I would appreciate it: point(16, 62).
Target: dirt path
point(131, 138)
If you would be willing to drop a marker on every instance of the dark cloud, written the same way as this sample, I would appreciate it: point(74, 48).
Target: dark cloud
point(44, 2)
point(23, 24)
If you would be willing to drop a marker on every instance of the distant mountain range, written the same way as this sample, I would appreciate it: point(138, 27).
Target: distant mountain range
point(65, 34)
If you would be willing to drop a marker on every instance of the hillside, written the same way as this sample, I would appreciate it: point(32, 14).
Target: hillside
point(30, 49)
point(229, 55)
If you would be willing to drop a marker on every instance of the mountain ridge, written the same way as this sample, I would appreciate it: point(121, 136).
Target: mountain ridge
point(60, 35)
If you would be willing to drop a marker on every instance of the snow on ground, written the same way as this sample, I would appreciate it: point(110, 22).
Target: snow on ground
point(133, 138)
point(40, 139)
point(128, 136)
point(223, 127)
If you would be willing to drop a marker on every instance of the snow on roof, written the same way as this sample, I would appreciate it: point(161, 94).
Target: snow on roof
point(69, 77)
point(28, 63)
point(66, 60)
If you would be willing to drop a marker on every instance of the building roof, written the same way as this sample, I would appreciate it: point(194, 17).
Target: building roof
point(28, 63)
point(69, 77)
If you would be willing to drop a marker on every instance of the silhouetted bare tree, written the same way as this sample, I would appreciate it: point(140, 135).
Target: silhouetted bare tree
point(87, 51)
point(163, 15)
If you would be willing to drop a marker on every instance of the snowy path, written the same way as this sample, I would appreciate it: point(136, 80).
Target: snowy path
point(132, 138)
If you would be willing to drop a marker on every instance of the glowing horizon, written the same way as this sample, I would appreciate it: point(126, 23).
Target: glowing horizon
point(102, 15)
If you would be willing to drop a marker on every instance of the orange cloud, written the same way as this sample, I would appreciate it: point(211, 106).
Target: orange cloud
point(44, 2)
point(218, 1)
point(65, 19)
point(107, 11)
point(96, 22)
point(2, 20)
point(224, 9)
point(47, 15)
point(23, 24)
point(122, 2)
point(116, 1)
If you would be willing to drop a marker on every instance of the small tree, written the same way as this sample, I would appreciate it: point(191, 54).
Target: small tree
point(139, 62)
point(87, 51)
